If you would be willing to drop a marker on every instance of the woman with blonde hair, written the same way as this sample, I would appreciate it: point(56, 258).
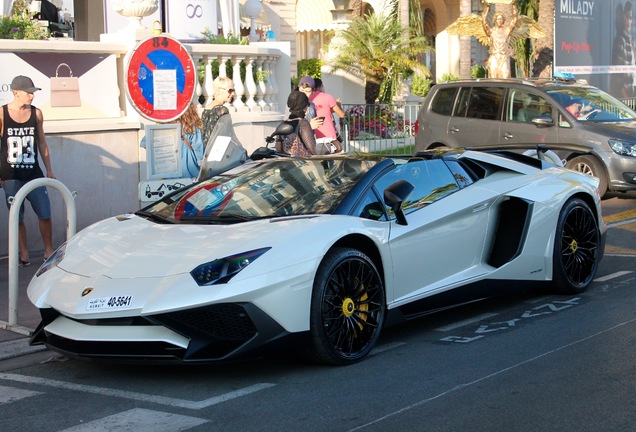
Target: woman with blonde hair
point(223, 94)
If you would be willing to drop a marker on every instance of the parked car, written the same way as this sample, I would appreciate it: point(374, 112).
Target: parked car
point(314, 254)
point(489, 112)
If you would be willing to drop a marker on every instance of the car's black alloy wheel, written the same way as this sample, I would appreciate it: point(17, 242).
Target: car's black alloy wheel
point(347, 308)
point(576, 247)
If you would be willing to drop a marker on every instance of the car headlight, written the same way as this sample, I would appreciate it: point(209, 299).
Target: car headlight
point(222, 270)
point(623, 148)
point(52, 261)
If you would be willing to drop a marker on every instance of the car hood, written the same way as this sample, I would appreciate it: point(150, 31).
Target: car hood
point(133, 247)
point(623, 130)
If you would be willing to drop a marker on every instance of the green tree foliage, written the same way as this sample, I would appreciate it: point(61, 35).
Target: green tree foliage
point(213, 38)
point(420, 85)
point(309, 67)
point(378, 48)
point(523, 48)
point(19, 24)
point(478, 71)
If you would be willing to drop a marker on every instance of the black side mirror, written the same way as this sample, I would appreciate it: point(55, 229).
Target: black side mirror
point(394, 197)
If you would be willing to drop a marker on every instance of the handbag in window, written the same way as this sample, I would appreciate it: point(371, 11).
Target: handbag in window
point(65, 89)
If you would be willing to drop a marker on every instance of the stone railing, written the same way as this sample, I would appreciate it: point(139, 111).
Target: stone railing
point(262, 94)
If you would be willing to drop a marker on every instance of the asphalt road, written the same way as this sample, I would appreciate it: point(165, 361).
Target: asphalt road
point(528, 361)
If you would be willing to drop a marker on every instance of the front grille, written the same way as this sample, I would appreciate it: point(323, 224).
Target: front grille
point(216, 332)
point(227, 322)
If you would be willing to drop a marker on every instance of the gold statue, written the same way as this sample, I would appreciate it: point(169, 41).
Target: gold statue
point(499, 37)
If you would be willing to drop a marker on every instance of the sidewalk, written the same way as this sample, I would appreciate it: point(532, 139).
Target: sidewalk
point(14, 344)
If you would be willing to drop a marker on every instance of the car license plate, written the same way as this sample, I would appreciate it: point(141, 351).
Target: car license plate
point(114, 302)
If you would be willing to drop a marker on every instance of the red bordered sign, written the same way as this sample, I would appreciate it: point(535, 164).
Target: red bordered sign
point(160, 78)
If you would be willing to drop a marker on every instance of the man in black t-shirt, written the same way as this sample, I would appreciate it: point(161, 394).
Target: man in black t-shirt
point(22, 139)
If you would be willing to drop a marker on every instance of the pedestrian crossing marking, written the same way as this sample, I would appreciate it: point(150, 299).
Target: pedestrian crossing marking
point(142, 397)
point(139, 420)
point(10, 394)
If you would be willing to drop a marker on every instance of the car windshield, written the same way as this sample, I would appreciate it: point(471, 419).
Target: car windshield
point(593, 104)
point(263, 189)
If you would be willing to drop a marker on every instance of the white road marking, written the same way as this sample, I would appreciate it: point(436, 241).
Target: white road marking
point(466, 322)
point(612, 276)
point(10, 394)
point(140, 420)
point(492, 375)
point(162, 400)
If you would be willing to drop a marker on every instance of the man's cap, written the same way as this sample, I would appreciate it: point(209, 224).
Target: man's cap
point(307, 80)
point(23, 83)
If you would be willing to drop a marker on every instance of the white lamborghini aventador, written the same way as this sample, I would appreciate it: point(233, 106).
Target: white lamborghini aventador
point(317, 250)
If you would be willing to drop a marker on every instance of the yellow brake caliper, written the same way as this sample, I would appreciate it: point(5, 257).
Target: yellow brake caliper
point(573, 246)
point(349, 307)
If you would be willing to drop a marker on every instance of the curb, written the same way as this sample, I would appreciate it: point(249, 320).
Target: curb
point(18, 347)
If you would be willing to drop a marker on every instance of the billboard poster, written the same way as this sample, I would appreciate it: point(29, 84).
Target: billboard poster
point(594, 40)
point(187, 19)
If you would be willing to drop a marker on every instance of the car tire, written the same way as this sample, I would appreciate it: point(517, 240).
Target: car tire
point(591, 166)
point(576, 248)
point(347, 308)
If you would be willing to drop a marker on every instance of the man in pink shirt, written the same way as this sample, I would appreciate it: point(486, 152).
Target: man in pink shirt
point(325, 104)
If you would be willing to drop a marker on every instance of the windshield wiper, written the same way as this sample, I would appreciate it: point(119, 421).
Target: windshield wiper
point(154, 217)
point(230, 218)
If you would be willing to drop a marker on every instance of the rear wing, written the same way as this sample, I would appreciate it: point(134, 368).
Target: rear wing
point(534, 154)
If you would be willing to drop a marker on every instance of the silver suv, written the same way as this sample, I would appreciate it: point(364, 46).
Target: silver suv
point(490, 112)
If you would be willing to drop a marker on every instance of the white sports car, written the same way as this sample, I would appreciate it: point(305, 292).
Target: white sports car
point(320, 250)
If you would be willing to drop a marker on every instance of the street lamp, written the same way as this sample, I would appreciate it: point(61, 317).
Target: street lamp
point(252, 8)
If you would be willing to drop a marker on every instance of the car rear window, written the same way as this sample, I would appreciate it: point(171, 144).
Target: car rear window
point(443, 101)
point(480, 102)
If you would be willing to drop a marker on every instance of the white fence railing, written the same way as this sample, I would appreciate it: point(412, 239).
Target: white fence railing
point(380, 128)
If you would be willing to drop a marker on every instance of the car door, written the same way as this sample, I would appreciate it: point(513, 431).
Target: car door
point(444, 240)
point(477, 117)
point(522, 106)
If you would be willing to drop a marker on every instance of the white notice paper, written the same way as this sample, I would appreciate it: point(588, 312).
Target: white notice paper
point(164, 82)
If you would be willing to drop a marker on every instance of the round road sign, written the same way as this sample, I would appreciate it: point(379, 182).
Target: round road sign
point(160, 78)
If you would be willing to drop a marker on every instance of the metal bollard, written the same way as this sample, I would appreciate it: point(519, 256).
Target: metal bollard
point(14, 214)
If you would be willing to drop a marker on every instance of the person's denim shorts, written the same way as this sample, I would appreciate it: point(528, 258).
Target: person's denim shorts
point(39, 198)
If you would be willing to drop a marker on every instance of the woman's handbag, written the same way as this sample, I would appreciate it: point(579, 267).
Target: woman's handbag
point(298, 148)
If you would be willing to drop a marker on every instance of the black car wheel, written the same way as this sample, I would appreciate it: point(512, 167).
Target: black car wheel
point(591, 166)
point(576, 247)
point(347, 308)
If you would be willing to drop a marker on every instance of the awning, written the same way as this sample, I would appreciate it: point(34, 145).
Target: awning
point(314, 15)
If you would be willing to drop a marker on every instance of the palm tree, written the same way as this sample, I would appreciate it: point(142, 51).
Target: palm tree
point(544, 47)
point(524, 48)
point(380, 49)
